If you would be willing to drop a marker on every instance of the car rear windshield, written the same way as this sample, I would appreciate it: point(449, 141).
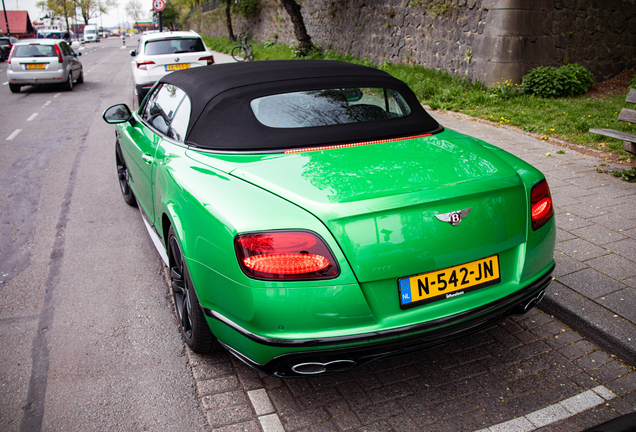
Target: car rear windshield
point(4, 41)
point(173, 46)
point(329, 107)
point(34, 50)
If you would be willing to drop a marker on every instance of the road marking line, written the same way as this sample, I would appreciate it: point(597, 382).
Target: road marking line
point(5, 83)
point(46, 104)
point(59, 94)
point(554, 413)
point(14, 134)
point(33, 116)
point(260, 401)
point(270, 422)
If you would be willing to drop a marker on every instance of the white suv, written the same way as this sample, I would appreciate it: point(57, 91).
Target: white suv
point(160, 53)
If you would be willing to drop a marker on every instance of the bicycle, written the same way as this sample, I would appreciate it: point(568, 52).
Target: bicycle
point(243, 51)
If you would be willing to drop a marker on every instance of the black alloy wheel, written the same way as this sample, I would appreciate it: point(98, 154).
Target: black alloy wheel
point(122, 174)
point(194, 328)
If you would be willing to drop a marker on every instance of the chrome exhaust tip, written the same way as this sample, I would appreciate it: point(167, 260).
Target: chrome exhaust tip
point(316, 368)
point(523, 308)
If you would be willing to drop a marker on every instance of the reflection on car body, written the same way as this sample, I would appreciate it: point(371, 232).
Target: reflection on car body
point(309, 212)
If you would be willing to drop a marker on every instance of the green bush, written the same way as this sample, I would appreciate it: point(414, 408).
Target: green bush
point(245, 8)
point(550, 82)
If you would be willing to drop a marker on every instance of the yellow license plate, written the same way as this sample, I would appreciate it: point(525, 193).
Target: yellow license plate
point(177, 66)
point(36, 66)
point(449, 282)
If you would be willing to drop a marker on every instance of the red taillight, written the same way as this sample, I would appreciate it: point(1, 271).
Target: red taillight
point(209, 59)
point(10, 54)
point(285, 255)
point(541, 208)
point(59, 54)
point(142, 65)
point(286, 264)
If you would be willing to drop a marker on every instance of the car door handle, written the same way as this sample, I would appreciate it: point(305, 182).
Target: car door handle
point(147, 158)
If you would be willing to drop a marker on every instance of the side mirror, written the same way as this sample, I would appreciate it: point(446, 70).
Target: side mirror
point(119, 113)
point(133, 53)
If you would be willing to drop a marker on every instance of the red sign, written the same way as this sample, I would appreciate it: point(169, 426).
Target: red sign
point(158, 5)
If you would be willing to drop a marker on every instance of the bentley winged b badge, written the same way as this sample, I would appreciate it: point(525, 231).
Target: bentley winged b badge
point(454, 217)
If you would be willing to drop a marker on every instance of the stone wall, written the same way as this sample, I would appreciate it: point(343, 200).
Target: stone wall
point(481, 39)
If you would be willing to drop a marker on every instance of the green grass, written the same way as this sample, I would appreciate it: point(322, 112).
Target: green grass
point(568, 119)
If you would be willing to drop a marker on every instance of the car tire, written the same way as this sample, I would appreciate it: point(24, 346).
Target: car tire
point(80, 79)
point(123, 176)
point(194, 328)
point(15, 88)
point(69, 82)
point(239, 54)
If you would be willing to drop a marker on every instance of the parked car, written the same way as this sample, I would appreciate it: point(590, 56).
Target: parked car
point(315, 217)
point(6, 43)
point(159, 53)
point(43, 61)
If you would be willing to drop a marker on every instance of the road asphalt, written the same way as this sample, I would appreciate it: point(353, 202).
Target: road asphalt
point(594, 286)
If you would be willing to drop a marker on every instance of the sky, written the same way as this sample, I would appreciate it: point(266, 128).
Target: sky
point(107, 20)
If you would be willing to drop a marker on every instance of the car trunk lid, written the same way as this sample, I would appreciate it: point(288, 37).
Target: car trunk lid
point(381, 201)
point(34, 57)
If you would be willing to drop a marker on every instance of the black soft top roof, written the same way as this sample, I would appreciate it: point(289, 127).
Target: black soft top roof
point(222, 119)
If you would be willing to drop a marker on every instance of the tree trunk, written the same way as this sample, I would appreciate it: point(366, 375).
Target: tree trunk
point(304, 41)
point(228, 17)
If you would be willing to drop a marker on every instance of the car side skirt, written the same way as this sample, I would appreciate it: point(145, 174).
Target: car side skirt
point(411, 338)
point(154, 236)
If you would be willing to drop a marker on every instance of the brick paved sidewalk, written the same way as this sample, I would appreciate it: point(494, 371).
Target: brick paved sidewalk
point(595, 287)
point(529, 373)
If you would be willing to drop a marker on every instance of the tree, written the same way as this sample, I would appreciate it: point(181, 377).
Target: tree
point(304, 41)
point(94, 7)
point(134, 9)
point(228, 19)
point(60, 8)
point(170, 15)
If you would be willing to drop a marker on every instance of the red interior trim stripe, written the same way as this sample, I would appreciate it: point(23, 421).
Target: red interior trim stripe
point(339, 146)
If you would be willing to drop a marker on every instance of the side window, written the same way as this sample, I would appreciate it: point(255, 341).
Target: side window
point(180, 121)
point(166, 111)
point(65, 50)
point(146, 114)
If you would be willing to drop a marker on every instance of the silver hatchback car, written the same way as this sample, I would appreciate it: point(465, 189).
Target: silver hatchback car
point(43, 61)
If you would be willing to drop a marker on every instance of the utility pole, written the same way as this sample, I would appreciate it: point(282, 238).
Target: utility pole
point(6, 20)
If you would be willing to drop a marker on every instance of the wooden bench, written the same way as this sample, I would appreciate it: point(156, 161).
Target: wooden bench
point(628, 115)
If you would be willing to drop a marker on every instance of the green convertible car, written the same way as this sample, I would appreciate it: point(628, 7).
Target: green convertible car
point(315, 217)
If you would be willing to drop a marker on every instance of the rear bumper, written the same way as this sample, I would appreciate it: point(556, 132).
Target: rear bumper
point(34, 78)
point(382, 344)
point(142, 89)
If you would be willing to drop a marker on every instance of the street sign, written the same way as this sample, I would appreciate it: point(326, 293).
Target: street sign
point(158, 5)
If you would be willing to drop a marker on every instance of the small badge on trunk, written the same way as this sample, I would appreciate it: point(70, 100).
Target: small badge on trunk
point(454, 217)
